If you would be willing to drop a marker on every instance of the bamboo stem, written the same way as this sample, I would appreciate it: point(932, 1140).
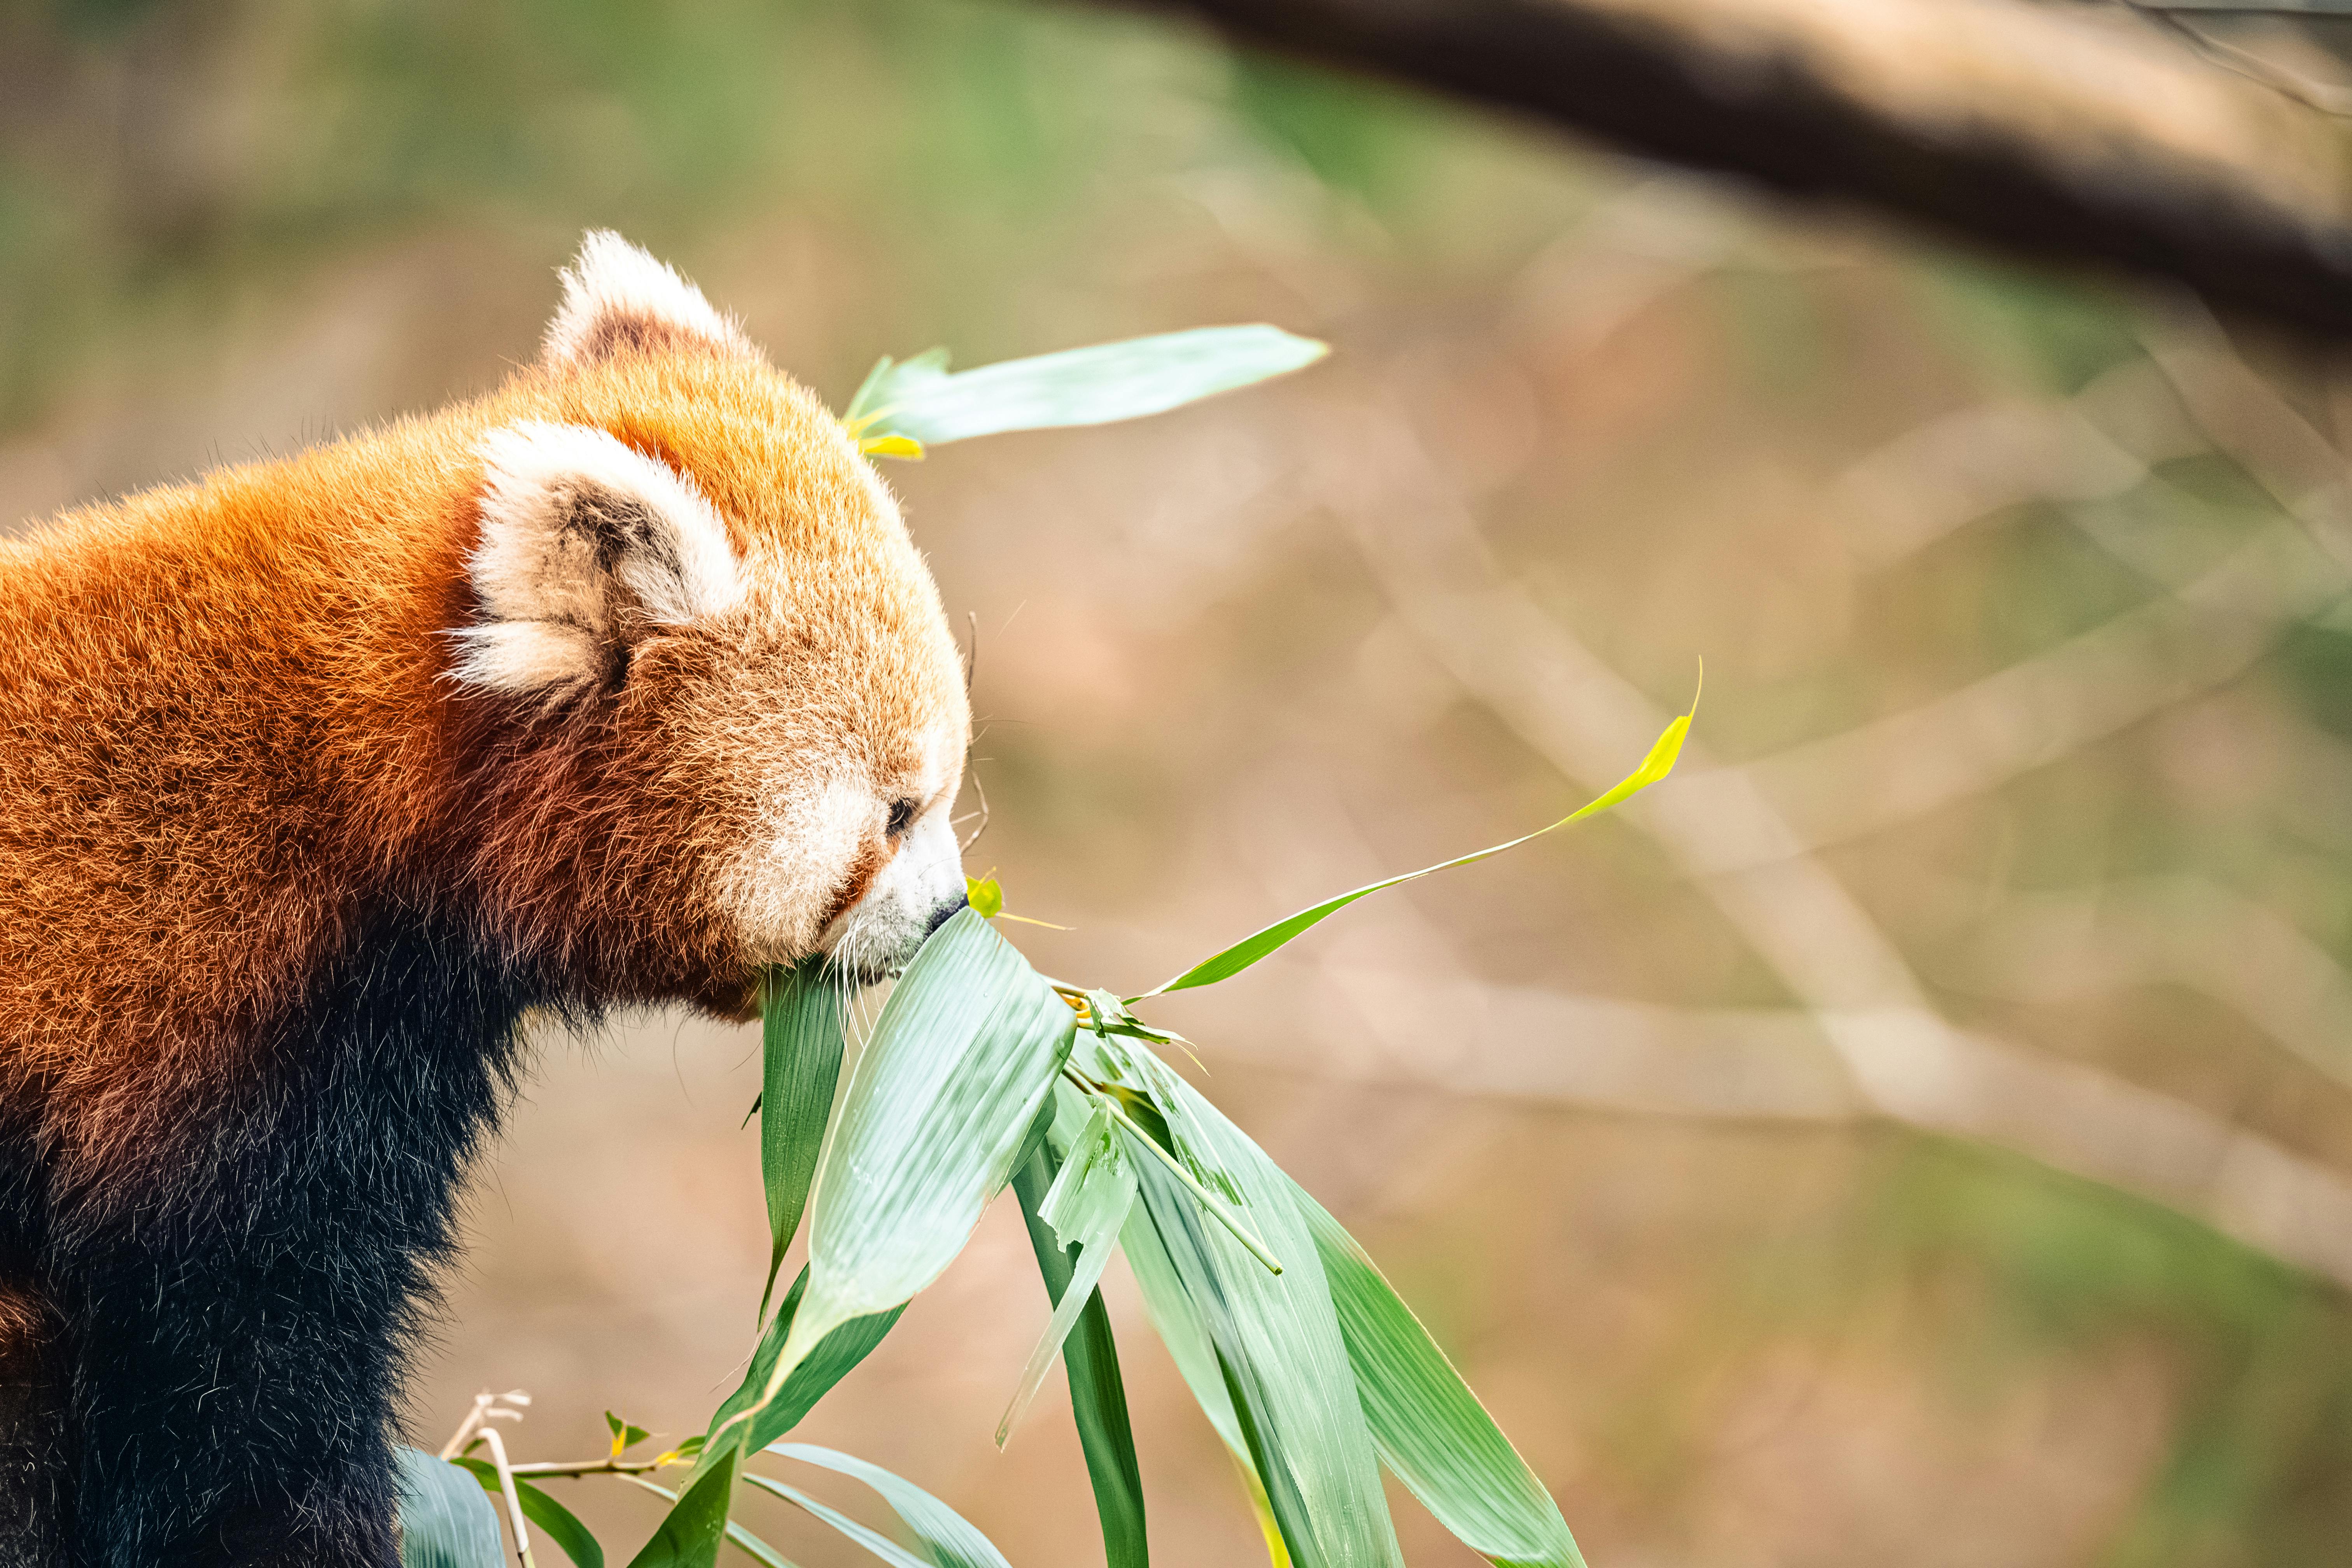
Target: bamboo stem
point(1207, 1199)
point(605, 1467)
point(514, 1497)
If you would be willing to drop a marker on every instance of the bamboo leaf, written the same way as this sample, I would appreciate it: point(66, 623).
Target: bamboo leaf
point(800, 1046)
point(1177, 1320)
point(690, 1535)
point(865, 410)
point(938, 1108)
point(1110, 1194)
point(866, 1535)
point(920, 400)
point(1108, 1057)
point(558, 1524)
point(1278, 1550)
point(833, 1358)
point(1151, 1147)
point(1430, 1428)
point(1088, 1186)
point(949, 1539)
point(1098, 1392)
point(1279, 1354)
point(444, 1520)
point(751, 1546)
point(1258, 944)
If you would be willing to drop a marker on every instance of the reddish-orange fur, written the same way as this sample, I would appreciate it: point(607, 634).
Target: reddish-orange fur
point(173, 855)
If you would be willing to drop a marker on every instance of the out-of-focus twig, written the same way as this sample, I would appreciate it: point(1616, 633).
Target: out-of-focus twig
point(2246, 419)
point(2306, 9)
point(1906, 1062)
point(1957, 470)
point(2042, 709)
point(2164, 652)
point(2060, 132)
point(1780, 1066)
point(2179, 931)
point(2325, 98)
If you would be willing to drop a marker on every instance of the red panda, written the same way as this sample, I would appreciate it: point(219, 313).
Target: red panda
point(612, 687)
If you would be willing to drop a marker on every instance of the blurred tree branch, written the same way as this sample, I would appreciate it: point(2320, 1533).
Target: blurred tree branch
point(1903, 1060)
point(2083, 135)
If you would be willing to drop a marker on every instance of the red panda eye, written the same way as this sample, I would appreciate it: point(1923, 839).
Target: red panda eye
point(902, 817)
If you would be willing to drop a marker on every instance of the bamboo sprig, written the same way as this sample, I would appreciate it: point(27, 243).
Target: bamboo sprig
point(1101, 1096)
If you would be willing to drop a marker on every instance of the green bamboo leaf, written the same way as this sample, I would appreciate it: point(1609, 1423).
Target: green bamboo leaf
point(920, 400)
point(800, 1045)
point(759, 1551)
point(866, 409)
point(1107, 1056)
point(948, 1539)
point(1180, 1327)
point(1250, 948)
point(1152, 1145)
point(1098, 1392)
point(444, 1520)
point(1105, 1192)
point(1279, 1354)
point(554, 1520)
point(1087, 1196)
point(833, 1358)
point(690, 1535)
point(1430, 1428)
point(866, 1535)
point(938, 1108)
point(1178, 1322)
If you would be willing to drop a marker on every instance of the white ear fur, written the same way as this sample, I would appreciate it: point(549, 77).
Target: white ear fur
point(615, 293)
point(578, 530)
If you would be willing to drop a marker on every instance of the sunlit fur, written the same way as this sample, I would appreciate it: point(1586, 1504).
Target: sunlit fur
point(318, 773)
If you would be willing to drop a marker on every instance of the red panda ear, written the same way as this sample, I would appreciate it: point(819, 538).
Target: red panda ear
point(617, 297)
point(584, 541)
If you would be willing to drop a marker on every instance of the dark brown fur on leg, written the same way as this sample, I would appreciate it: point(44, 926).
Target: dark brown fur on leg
point(33, 1466)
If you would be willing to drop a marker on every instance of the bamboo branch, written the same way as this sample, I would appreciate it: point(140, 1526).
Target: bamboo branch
point(575, 1469)
point(514, 1499)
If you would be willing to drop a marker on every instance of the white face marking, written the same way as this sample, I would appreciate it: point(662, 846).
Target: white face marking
point(802, 845)
point(922, 882)
point(807, 845)
point(879, 933)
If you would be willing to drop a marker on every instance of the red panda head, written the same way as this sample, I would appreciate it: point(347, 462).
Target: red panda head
point(720, 716)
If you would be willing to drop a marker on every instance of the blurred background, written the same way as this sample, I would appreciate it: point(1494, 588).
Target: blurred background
point(1921, 1132)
